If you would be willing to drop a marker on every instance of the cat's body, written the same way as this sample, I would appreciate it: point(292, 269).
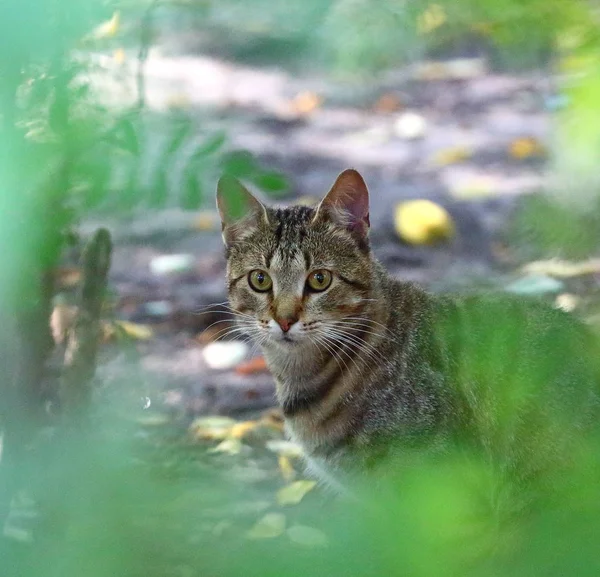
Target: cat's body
point(367, 366)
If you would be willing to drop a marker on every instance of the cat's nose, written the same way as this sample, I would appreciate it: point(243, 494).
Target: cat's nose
point(286, 323)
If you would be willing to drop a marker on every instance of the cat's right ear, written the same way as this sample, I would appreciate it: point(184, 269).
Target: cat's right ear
point(240, 212)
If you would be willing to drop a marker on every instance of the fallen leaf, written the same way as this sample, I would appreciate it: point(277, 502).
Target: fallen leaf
point(477, 187)
point(388, 103)
point(457, 69)
point(252, 366)
point(270, 526)
point(522, 148)
point(293, 493)
point(307, 536)
point(305, 103)
point(109, 28)
point(287, 470)
point(228, 446)
point(286, 448)
point(212, 428)
point(135, 331)
point(240, 430)
point(562, 268)
point(432, 18)
point(119, 56)
point(207, 220)
point(452, 155)
point(566, 302)
point(422, 222)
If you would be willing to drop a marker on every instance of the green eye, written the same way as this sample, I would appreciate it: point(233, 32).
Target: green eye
point(319, 280)
point(260, 281)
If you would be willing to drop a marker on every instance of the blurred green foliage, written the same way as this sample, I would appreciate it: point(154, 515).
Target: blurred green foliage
point(122, 500)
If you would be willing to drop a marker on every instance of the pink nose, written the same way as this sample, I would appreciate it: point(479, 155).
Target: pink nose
point(285, 324)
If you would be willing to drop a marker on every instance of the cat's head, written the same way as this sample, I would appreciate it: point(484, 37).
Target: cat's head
point(295, 273)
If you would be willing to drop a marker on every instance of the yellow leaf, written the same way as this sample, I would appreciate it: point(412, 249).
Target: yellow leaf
point(212, 428)
point(135, 331)
point(109, 28)
point(422, 222)
point(119, 56)
point(293, 493)
point(270, 526)
point(307, 536)
point(207, 220)
point(525, 148)
point(228, 446)
point(452, 155)
point(240, 430)
point(305, 103)
point(562, 268)
point(285, 448)
point(285, 466)
point(431, 19)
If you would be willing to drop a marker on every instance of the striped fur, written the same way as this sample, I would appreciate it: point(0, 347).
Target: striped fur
point(377, 366)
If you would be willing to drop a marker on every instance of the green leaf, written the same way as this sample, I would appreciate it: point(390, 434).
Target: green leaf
point(191, 192)
point(98, 175)
point(159, 189)
point(240, 164)
point(182, 128)
point(210, 146)
point(274, 183)
point(124, 136)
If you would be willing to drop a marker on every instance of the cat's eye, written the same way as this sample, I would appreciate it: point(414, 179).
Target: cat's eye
point(259, 280)
point(318, 280)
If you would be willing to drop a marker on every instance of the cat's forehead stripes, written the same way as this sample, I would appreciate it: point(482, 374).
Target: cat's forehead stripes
point(291, 227)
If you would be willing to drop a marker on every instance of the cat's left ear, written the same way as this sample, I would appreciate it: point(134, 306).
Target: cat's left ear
point(348, 202)
point(240, 211)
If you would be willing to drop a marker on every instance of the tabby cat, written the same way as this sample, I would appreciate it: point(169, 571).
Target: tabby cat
point(367, 366)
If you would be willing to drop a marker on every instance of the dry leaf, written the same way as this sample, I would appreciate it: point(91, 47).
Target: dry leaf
point(305, 103)
point(228, 446)
point(119, 56)
point(566, 302)
point(240, 430)
point(212, 428)
point(433, 17)
point(61, 320)
point(388, 103)
point(135, 331)
point(109, 28)
point(293, 493)
point(285, 466)
point(422, 222)
point(525, 148)
point(253, 366)
point(452, 155)
point(207, 220)
point(562, 268)
point(307, 536)
point(286, 448)
point(270, 526)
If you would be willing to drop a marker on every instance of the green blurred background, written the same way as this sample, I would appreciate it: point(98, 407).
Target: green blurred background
point(107, 499)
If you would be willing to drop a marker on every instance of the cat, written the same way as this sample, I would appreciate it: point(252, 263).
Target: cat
point(368, 367)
